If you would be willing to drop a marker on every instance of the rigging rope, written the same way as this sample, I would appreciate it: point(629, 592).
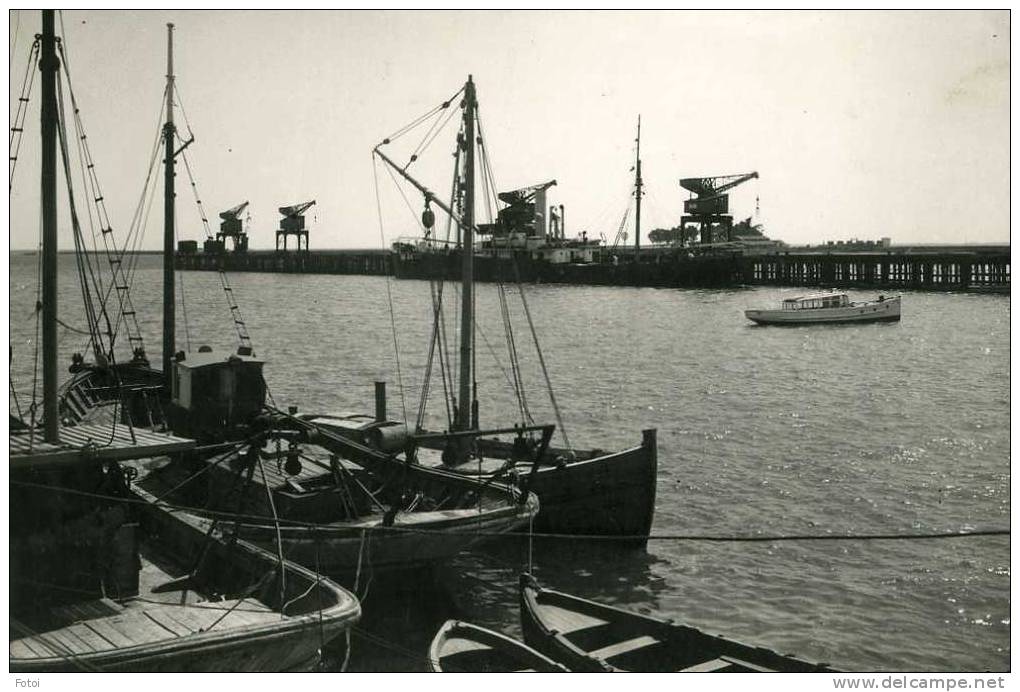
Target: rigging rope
point(14, 43)
point(86, 273)
point(114, 257)
point(184, 302)
point(389, 293)
point(18, 127)
point(240, 327)
point(417, 121)
point(541, 361)
point(398, 528)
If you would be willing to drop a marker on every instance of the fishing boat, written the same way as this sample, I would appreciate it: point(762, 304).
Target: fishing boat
point(587, 636)
point(582, 492)
point(460, 647)
point(322, 500)
point(339, 506)
point(105, 577)
point(828, 308)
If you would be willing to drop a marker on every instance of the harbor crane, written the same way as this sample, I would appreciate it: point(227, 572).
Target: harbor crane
point(710, 204)
point(230, 227)
point(524, 213)
point(293, 223)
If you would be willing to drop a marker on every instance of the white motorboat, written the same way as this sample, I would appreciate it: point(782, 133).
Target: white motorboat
point(828, 308)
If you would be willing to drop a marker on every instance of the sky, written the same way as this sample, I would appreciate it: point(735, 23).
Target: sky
point(860, 124)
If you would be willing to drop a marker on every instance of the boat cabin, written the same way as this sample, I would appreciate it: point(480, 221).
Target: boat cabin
point(828, 300)
point(214, 394)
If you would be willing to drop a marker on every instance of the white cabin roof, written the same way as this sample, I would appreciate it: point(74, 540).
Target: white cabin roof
point(813, 296)
point(203, 359)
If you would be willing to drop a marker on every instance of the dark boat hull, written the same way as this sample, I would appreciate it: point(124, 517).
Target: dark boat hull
point(609, 495)
point(597, 494)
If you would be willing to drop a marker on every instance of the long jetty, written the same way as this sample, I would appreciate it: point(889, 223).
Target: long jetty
point(937, 268)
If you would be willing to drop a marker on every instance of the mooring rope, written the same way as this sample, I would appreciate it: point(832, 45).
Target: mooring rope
point(694, 537)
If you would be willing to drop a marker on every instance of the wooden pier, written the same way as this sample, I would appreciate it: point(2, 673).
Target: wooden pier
point(936, 268)
point(950, 269)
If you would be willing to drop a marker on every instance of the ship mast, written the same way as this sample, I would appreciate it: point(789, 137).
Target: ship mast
point(169, 341)
point(48, 65)
point(637, 194)
point(465, 403)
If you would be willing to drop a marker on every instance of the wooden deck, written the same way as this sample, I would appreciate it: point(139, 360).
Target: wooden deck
point(157, 614)
point(105, 442)
point(137, 626)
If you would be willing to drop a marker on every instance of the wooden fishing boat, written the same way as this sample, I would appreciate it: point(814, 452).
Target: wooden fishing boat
point(584, 492)
point(828, 308)
point(103, 576)
point(587, 636)
point(460, 647)
point(379, 514)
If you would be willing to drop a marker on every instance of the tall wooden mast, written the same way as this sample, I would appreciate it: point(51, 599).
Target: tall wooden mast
point(637, 193)
point(464, 400)
point(48, 65)
point(169, 341)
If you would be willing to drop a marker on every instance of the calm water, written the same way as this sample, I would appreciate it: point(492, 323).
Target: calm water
point(882, 428)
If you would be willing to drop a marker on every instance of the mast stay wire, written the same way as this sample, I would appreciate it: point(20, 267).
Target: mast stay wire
point(86, 272)
point(14, 43)
point(18, 126)
point(115, 259)
point(491, 198)
point(417, 121)
point(389, 292)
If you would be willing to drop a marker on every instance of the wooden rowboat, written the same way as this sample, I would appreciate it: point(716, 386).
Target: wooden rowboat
point(460, 647)
point(590, 637)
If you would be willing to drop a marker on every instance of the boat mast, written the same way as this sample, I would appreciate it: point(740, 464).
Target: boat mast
point(464, 401)
point(637, 194)
point(168, 213)
point(48, 65)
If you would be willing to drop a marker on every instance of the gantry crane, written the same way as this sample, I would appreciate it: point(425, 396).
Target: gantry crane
point(230, 227)
point(710, 204)
point(293, 223)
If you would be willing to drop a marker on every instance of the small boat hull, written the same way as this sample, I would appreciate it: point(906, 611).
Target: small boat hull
point(587, 636)
point(877, 311)
point(460, 647)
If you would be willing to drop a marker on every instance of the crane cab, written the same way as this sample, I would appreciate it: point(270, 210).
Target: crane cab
point(215, 394)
